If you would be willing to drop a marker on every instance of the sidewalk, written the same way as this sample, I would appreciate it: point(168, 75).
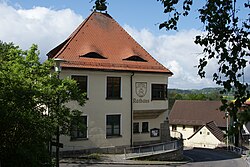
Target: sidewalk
point(117, 159)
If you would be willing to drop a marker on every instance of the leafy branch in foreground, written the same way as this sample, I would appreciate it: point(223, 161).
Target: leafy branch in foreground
point(29, 114)
point(226, 40)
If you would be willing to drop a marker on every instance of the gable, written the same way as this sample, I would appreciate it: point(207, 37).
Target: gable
point(209, 128)
point(204, 134)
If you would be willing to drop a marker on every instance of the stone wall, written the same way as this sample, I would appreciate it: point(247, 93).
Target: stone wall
point(106, 150)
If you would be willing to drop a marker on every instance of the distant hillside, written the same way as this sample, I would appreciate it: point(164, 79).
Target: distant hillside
point(197, 94)
point(196, 91)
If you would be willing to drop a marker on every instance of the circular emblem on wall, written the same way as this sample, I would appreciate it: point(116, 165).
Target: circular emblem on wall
point(141, 88)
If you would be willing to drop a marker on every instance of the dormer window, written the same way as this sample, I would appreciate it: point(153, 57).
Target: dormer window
point(93, 55)
point(135, 58)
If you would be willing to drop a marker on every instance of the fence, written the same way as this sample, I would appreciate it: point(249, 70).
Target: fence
point(142, 151)
point(237, 150)
point(176, 134)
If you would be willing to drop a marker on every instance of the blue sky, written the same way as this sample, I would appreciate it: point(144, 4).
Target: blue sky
point(137, 13)
point(48, 22)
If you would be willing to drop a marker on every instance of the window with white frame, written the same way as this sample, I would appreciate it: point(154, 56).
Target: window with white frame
point(136, 127)
point(113, 87)
point(145, 127)
point(113, 125)
point(82, 82)
point(159, 91)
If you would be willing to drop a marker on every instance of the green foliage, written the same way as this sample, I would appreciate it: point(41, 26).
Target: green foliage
point(29, 115)
point(225, 39)
point(203, 94)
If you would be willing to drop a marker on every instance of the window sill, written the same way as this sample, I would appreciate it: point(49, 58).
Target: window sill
point(78, 139)
point(136, 132)
point(113, 98)
point(110, 137)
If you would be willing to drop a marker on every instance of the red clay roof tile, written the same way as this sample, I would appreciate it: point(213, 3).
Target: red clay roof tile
point(196, 112)
point(101, 34)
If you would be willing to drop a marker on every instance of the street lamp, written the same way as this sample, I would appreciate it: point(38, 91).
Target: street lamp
point(58, 69)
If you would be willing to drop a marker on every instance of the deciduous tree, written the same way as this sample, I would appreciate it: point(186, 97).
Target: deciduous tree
point(29, 110)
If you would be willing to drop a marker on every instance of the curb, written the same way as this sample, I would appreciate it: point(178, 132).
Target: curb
point(128, 163)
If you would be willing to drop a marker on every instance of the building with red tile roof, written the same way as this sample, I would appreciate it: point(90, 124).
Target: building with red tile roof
point(207, 136)
point(100, 43)
point(189, 116)
point(126, 87)
point(197, 113)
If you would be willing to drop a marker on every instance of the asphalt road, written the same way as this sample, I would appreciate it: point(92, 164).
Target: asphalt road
point(213, 158)
point(200, 157)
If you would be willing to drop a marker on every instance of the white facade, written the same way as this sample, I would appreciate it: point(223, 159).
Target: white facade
point(97, 108)
point(203, 138)
point(185, 130)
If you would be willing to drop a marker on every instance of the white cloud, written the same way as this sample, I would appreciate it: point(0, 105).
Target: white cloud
point(48, 27)
point(39, 25)
point(178, 53)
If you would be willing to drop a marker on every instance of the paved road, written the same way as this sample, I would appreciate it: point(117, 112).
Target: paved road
point(201, 158)
point(213, 158)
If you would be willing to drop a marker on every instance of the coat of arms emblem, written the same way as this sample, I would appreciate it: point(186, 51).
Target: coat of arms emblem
point(141, 88)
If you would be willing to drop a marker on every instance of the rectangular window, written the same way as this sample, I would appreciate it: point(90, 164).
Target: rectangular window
point(79, 127)
point(183, 127)
point(113, 87)
point(195, 128)
point(82, 82)
point(136, 127)
point(113, 125)
point(145, 127)
point(174, 127)
point(159, 91)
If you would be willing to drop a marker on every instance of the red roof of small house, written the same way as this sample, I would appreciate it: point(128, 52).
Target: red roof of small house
point(100, 43)
point(197, 113)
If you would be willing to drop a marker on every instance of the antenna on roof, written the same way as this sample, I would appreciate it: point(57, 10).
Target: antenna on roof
point(100, 5)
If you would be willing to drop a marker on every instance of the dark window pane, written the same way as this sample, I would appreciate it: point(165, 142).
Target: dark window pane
point(113, 126)
point(159, 91)
point(174, 127)
point(136, 127)
point(145, 127)
point(82, 82)
point(195, 128)
point(114, 87)
point(79, 127)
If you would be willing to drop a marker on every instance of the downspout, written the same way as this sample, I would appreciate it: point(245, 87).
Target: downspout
point(131, 107)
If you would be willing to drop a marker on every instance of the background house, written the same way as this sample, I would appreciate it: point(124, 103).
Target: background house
point(208, 136)
point(190, 116)
point(126, 87)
